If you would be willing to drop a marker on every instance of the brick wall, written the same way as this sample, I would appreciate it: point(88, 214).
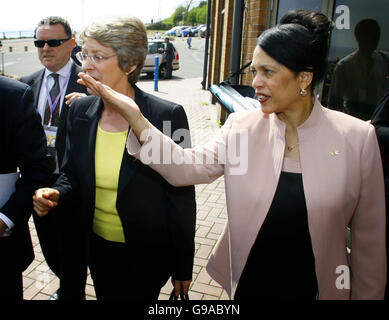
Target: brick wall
point(254, 22)
point(220, 41)
point(227, 40)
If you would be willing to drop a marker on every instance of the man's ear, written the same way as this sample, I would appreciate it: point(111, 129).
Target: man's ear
point(73, 42)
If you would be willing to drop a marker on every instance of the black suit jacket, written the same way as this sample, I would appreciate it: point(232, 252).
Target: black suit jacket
point(380, 119)
point(169, 51)
point(35, 81)
point(23, 146)
point(158, 219)
point(53, 229)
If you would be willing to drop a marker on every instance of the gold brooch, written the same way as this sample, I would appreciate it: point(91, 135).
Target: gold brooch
point(334, 153)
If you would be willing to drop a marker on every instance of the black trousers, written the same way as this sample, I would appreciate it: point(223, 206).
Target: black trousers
point(11, 288)
point(115, 274)
point(169, 68)
point(61, 247)
point(11, 284)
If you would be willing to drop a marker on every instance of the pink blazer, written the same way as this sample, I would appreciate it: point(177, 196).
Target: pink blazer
point(343, 185)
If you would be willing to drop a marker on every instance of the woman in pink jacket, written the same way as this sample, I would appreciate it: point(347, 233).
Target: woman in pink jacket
point(296, 175)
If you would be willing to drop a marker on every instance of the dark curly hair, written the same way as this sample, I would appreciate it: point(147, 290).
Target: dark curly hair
point(300, 42)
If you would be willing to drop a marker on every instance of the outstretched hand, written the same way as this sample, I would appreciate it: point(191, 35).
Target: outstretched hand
point(123, 104)
point(120, 102)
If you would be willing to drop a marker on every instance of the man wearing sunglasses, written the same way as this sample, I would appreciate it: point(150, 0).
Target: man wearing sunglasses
point(57, 80)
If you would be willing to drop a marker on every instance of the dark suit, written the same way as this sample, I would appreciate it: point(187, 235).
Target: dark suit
point(60, 251)
point(169, 60)
point(380, 119)
point(23, 146)
point(158, 219)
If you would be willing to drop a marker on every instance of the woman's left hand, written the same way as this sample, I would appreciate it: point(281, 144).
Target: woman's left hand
point(71, 97)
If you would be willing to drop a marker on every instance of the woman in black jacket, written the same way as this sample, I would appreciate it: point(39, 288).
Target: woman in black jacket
point(139, 230)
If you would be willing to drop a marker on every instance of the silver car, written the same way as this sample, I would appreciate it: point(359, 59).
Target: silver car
point(156, 49)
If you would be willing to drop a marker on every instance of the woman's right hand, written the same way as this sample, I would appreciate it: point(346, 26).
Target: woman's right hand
point(45, 200)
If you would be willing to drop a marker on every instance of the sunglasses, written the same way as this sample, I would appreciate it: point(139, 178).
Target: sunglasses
point(50, 43)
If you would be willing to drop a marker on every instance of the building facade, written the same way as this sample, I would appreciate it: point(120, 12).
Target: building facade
point(359, 83)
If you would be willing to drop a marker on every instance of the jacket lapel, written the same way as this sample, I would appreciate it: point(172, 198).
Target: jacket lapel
point(87, 126)
point(36, 87)
point(72, 87)
point(130, 164)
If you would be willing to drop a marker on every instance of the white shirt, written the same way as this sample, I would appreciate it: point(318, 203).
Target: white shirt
point(63, 73)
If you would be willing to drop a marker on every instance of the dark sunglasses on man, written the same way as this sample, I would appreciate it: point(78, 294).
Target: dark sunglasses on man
point(51, 42)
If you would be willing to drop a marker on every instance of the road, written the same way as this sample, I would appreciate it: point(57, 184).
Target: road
point(191, 60)
point(23, 60)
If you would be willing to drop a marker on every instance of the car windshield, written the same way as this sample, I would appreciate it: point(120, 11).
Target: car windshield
point(154, 46)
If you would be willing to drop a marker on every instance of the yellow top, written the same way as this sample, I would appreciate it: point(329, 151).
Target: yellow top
point(108, 160)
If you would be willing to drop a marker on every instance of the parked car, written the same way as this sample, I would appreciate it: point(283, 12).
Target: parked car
point(156, 48)
point(202, 31)
point(172, 31)
point(196, 30)
point(187, 31)
point(178, 31)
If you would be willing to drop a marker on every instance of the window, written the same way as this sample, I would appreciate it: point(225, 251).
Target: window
point(285, 5)
point(358, 71)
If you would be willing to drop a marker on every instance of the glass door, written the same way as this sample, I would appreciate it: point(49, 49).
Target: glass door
point(358, 71)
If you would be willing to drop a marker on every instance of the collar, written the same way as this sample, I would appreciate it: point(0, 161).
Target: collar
point(308, 127)
point(63, 72)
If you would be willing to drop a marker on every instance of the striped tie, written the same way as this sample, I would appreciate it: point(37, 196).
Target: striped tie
point(54, 92)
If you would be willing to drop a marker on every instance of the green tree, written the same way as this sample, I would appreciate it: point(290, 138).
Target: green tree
point(178, 15)
point(195, 16)
point(198, 15)
point(192, 17)
point(201, 15)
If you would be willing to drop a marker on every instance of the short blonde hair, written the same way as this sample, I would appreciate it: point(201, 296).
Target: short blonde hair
point(127, 36)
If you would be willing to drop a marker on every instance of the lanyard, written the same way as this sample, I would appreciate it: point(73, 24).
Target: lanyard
point(51, 103)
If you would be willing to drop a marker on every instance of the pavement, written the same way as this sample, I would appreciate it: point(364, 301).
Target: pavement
point(39, 281)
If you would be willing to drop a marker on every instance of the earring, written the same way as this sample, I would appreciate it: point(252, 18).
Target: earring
point(303, 92)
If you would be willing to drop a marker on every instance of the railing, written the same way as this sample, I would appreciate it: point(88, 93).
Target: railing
point(16, 34)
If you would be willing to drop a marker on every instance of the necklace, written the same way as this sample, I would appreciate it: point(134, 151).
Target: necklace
point(290, 148)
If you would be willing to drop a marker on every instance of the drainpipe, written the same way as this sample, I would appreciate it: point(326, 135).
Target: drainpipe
point(237, 27)
point(203, 83)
